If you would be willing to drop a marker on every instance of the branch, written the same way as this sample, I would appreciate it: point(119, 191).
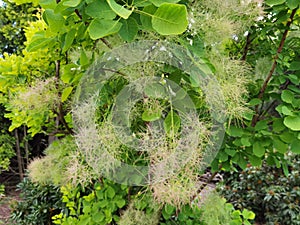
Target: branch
point(78, 14)
point(266, 82)
point(62, 119)
point(205, 184)
point(246, 48)
point(106, 43)
point(60, 113)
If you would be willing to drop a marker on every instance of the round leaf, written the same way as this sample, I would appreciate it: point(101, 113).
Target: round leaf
point(258, 149)
point(292, 122)
point(170, 19)
point(100, 9)
point(129, 29)
point(101, 28)
point(287, 96)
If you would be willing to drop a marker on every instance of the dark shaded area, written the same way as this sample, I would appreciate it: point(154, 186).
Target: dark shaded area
point(12, 20)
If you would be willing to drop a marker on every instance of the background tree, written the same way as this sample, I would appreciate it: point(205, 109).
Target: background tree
point(13, 19)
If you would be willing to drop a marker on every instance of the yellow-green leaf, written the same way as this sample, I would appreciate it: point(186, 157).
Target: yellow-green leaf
point(292, 122)
point(119, 9)
point(66, 93)
point(170, 19)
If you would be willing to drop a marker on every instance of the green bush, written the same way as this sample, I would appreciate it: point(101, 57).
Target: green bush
point(39, 203)
point(109, 203)
point(273, 196)
point(101, 205)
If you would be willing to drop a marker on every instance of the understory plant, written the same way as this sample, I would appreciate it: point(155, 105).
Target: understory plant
point(272, 195)
point(109, 203)
point(37, 205)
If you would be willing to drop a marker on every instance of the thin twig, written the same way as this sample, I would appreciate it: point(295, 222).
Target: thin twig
point(78, 13)
point(106, 43)
point(266, 82)
point(246, 48)
point(62, 119)
point(114, 71)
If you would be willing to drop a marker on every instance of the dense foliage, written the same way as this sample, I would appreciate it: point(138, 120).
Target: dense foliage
point(38, 203)
point(273, 196)
point(247, 53)
point(13, 20)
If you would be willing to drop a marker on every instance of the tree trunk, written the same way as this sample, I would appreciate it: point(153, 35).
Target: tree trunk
point(19, 156)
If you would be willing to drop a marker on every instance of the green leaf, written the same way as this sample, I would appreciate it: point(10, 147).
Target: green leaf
point(248, 214)
point(172, 123)
point(55, 20)
point(84, 60)
point(48, 4)
point(235, 131)
point(141, 3)
point(110, 192)
point(129, 29)
point(120, 203)
point(292, 4)
point(68, 73)
point(295, 146)
point(254, 101)
point(287, 136)
point(280, 146)
point(242, 162)
point(275, 2)
point(295, 80)
point(261, 125)
point(65, 94)
point(98, 217)
point(258, 149)
point(71, 3)
point(100, 9)
point(169, 209)
point(84, 220)
point(146, 17)
point(160, 2)
point(294, 66)
point(292, 122)
point(170, 19)
point(287, 111)
point(38, 43)
point(287, 96)
point(119, 9)
point(222, 156)
point(285, 168)
point(151, 115)
point(255, 161)
point(278, 125)
point(245, 141)
point(230, 152)
point(69, 38)
point(101, 28)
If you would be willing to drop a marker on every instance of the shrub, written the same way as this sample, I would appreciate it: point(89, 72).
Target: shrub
point(273, 196)
point(109, 203)
point(39, 203)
